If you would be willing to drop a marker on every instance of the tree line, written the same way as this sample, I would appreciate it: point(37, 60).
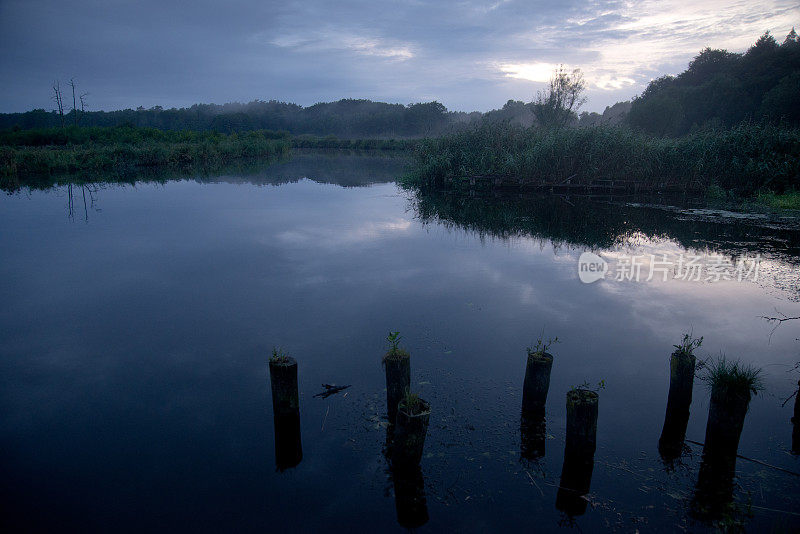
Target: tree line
point(718, 90)
point(721, 89)
point(347, 118)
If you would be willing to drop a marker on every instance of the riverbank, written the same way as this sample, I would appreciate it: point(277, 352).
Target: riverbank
point(86, 149)
point(746, 160)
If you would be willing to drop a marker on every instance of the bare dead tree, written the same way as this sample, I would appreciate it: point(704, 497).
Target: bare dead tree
point(59, 100)
point(74, 101)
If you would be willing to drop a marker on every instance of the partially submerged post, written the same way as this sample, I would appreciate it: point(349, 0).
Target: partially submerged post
point(283, 378)
point(537, 380)
point(533, 426)
point(397, 363)
point(413, 415)
point(533, 434)
point(681, 381)
point(409, 496)
point(285, 409)
point(581, 442)
point(731, 389)
point(796, 422)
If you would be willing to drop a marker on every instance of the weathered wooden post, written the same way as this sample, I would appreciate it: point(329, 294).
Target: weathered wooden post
point(283, 378)
point(731, 388)
point(537, 380)
point(796, 422)
point(413, 415)
point(533, 434)
point(397, 363)
point(681, 381)
point(285, 409)
point(533, 425)
point(581, 442)
point(409, 496)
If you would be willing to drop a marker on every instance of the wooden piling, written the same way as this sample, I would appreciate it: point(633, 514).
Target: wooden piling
point(397, 364)
point(537, 381)
point(796, 422)
point(581, 442)
point(681, 382)
point(283, 378)
point(533, 434)
point(714, 489)
point(409, 434)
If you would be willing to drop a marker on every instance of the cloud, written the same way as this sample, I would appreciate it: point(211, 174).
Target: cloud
point(470, 54)
point(534, 72)
point(331, 40)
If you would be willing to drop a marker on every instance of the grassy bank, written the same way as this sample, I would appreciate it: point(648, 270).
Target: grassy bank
point(746, 159)
point(79, 149)
point(333, 142)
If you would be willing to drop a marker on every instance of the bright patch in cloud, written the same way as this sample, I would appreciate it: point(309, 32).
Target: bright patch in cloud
point(331, 40)
point(534, 72)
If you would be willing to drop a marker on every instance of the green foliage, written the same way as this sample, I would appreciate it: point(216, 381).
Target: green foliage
point(746, 159)
point(542, 345)
point(412, 404)
point(333, 142)
point(790, 200)
point(75, 149)
point(278, 356)
point(558, 105)
point(689, 344)
point(347, 118)
point(725, 89)
point(393, 339)
point(735, 378)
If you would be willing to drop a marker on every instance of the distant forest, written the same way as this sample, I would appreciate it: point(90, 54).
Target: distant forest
point(719, 89)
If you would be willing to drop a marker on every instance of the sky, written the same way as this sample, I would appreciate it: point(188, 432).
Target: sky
point(469, 55)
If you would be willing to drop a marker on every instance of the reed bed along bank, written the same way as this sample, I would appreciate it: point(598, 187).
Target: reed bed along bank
point(746, 159)
point(77, 149)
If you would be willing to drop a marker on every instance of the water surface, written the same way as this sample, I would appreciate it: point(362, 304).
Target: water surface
point(135, 335)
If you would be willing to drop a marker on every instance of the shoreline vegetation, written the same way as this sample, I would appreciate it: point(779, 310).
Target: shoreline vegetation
point(28, 155)
point(727, 129)
point(747, 160)
point(84, 149)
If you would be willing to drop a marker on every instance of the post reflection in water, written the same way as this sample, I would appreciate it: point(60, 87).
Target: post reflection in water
point(715, 482)
point(288, 446)
point(533, 425)
point(796, 422)
point(581, 442)
point(409, 488)
point(409, 496)
point(533, 431)
point(671, 443)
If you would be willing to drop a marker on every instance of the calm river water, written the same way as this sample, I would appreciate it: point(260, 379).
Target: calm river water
point(135, 333)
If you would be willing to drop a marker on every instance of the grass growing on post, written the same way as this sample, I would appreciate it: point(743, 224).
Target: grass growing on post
point(541, 346)
point(278, 356)
point(688, 344)
point(412, 404)
point(729, 377)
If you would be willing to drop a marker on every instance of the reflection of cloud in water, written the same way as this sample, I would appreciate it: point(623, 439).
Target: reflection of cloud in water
point(334, 236)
